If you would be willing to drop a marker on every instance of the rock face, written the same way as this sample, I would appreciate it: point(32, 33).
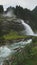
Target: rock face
point(21, 13)
point(24, 14)
point(8, 25)
point(28, 15)
point(35, 10)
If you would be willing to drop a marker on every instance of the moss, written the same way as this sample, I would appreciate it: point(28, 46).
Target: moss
point(13, 35)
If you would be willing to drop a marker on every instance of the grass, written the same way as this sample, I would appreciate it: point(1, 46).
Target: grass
point(27, 55)
point(13, 35)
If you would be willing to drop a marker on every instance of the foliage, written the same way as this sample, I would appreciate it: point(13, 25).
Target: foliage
point(13, 35)
point(1, 9)
point(27, 15)
point(27, 56)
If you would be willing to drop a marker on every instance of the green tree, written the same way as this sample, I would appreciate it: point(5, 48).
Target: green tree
point(1, 9)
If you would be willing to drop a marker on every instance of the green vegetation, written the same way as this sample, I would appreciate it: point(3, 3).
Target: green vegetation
point(13, 35)
point(27, 15)
point(9, 30)
point(1, 9)
point(25, 56)
point(24, 14)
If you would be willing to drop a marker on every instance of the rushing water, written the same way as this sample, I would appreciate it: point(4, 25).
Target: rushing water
point(28, 30)
point(9, 13)
point(5, 51)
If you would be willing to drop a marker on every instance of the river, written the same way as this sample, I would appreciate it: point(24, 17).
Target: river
point(7, 50)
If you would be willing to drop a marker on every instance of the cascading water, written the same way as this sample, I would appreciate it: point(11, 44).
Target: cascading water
point(6, 51)
point(9, 14)
point(28, 30)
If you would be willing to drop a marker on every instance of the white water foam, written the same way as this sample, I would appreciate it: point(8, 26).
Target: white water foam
point(28, 30)
point(5, 51)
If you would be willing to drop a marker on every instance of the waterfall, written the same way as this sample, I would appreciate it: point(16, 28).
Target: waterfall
point(28, 29)
point(9, 14)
